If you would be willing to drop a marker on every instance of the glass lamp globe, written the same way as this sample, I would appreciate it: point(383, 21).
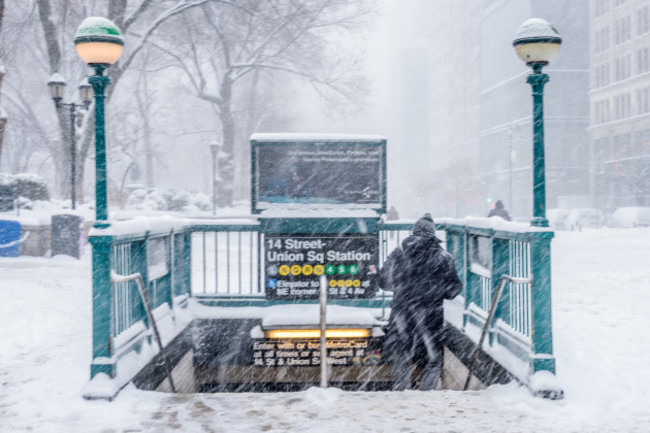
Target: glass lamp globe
point(56, 83)
point(536, 42)
point(98, 41)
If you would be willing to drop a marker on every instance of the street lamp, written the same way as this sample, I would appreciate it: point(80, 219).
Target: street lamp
point(99, 43)
point(214, 148)
point(57, 84)
point(536, 44)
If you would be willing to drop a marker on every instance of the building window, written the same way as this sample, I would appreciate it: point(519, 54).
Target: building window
point(601, 7)
point(643, 20)
point(601, 76)
point(622, 67)
point(643, 60)
point(622, 31)
point(601, 112)
point(602, 39)
point(643, 100)
point(622, 106)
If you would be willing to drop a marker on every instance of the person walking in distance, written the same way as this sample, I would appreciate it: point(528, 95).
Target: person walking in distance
point(392, 215)
point(499, 211)
point(422, 275)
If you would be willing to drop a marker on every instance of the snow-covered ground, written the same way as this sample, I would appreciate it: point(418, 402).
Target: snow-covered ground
point(602, 317)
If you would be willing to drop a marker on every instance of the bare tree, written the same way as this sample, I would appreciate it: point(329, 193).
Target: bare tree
point(138, 20)
point(3, 116)
point(222, 44)
point(234, 53)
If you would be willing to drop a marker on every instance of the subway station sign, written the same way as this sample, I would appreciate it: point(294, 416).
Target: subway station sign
point(295, 263)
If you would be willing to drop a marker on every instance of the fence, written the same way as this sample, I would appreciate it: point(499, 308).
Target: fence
point(227, 259)
point(224, 261)
point(522, 322)
point(120, 321)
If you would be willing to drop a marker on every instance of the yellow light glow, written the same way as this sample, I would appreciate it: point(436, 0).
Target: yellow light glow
point(99, 52)
point(315, 333)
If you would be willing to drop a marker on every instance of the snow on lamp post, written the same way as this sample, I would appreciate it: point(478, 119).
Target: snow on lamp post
point(57, 84)
point(536, 43)
point(99, 43)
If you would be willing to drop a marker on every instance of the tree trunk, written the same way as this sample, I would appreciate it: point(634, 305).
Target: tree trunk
point(226, 166)
point(3, 116)
point(85, 143)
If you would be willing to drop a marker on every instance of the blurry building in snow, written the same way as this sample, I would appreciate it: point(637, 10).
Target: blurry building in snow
point(620, 103)
point(410, 151)
point(480, 115)
point(506, 106)
point(454, 113)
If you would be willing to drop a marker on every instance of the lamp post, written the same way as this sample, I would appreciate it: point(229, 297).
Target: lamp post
point(99, 43)
point(536, 44)
point(57, 84)
point(214, 148)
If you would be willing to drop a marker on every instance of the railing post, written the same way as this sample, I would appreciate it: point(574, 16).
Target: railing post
point(542, 321)
point(102, 306)
point(139, 252)
point(172, 270)
point(187, 261)
point(463, 251)
point(260, 272)
point(500, 262)
point(457, 247)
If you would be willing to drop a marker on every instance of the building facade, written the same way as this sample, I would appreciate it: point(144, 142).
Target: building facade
point(620, 103)
point(506, 106)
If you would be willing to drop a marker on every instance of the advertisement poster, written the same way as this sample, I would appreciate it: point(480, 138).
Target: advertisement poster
point(308, 174)
point(294, 264)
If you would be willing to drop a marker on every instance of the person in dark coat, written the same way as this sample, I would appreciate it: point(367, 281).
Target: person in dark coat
point(499, 211)
point(421, 274)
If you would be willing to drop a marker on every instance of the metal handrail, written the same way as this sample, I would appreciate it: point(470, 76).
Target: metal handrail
point(137, 277)
point(488, 321)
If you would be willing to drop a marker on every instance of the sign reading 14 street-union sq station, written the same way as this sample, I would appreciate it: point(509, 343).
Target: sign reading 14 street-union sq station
point(294, 264)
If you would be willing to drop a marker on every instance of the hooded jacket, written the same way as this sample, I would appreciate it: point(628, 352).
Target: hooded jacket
point(499, 211)
point(422, 275)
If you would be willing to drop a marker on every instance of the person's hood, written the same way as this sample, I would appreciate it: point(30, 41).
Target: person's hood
point(425, 226)
point(498, 204)
point(414, 245)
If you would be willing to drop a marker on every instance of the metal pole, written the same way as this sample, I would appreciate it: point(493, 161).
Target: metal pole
point(323, 329)
point(537, 80)
point(510, 171)
point(73, 156)
point(214, 183)
point(99, 82)
point(488, 321)
point(116, 278)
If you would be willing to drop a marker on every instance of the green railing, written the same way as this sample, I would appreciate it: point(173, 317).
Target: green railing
point(523, 320)
point(226, 259)
point(220, 265)
point(161, 257)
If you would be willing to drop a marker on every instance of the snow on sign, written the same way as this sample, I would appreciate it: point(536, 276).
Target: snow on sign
point(294, 264)
point(326, 172)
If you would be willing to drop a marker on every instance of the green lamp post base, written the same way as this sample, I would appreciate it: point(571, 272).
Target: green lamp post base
point(539, 222)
